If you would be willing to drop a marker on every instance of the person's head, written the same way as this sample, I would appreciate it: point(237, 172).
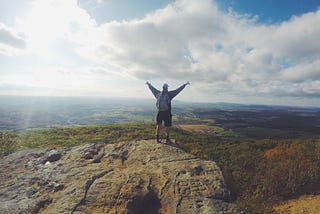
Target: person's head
point(165, 87)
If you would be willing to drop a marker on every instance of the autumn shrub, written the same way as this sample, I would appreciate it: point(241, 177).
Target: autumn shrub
point(289, 170)
point(260, 173)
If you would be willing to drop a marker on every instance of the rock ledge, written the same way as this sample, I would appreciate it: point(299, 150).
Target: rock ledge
point(128, 177)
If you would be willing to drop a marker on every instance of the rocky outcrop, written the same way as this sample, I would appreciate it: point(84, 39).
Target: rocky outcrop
point(129, 177)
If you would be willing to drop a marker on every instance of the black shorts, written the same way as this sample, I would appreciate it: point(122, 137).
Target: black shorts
point(164, 116)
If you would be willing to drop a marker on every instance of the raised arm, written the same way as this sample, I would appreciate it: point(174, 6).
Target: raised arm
point(174, 93)
point(154, 91)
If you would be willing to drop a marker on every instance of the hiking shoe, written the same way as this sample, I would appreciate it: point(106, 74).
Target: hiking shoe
point(168, 141)
point(158, 140)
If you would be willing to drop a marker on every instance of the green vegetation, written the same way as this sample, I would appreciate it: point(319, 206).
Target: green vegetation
point(8, 142)
point(266, 154)
point(259, 173)
point(72, 136)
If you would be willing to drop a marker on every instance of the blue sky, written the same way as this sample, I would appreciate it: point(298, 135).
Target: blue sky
point(240, 51)
point(271, 11)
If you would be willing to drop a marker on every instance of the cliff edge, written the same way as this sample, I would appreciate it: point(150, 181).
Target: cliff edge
point(128, 177)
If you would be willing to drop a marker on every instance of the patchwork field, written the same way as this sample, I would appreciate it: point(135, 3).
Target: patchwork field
point(205, 129)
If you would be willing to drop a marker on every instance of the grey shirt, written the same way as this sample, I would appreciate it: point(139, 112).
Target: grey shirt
point(171, 94)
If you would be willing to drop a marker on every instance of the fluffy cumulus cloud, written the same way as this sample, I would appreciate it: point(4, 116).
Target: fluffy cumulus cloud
point(222, 54)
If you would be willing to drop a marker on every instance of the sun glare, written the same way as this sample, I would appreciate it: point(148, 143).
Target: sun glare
point(50, 20)
point(51, 29)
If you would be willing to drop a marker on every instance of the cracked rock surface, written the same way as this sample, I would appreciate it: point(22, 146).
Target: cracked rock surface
point(128, 177)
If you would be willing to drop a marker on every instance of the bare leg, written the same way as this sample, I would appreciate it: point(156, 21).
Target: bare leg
point(168, 131)
point(158, 129)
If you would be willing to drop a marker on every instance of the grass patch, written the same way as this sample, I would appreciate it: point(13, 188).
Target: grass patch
point(8, 142)
point(72, 136)
point(201, 128)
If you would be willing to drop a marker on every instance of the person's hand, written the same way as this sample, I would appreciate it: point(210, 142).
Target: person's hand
point(147, 83)
point(188, 83)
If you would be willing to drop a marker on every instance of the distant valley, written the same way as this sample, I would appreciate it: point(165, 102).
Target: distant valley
point(256, 121)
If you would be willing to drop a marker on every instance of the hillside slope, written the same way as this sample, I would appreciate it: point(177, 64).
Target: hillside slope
point(128, 177)
point(305, 204)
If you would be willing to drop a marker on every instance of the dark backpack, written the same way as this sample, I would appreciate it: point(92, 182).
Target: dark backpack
point(163, 101)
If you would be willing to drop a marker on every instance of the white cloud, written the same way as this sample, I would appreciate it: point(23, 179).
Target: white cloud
point(222, 54)
point(296, 38)
point(305, 71)
point(100, 1)
point(10, 41)
point(230, 53)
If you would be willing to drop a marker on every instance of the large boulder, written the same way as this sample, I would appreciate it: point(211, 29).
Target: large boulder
point(128, 177)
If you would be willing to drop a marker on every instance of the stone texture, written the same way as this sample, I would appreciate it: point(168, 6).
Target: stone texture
point(129, 177)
